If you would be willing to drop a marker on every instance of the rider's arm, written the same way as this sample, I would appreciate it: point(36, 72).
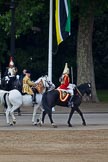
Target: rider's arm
point(66, 80)
point(30, 83)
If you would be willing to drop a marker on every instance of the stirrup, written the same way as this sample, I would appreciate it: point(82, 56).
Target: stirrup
point(70, 104)
point(33, 103)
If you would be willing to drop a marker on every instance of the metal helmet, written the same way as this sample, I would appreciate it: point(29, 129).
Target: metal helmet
point(66, 69)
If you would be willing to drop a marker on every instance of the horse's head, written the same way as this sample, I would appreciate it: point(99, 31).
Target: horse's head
point(85, 89)
point(44, 79)
point(88, 89)
point(44, 84)
point(47, 83)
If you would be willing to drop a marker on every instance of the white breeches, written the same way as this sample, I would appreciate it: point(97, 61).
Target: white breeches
point(70, 91)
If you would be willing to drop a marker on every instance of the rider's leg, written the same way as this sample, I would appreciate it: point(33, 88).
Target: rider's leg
point(34, 96)
point(70, 102)
point(34, 99)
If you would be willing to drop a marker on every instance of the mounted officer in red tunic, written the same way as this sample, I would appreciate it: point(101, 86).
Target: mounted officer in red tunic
point(65, 83)
point(64, 79)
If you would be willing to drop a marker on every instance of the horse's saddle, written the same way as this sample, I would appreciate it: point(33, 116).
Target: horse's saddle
point(63, 95)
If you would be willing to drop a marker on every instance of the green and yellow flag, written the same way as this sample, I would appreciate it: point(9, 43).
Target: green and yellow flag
point(63, 20)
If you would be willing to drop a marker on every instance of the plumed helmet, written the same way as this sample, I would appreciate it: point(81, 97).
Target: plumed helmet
point(66, 69)
point(11, 61)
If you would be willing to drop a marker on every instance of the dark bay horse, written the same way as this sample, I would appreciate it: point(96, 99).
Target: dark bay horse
point(52, 98)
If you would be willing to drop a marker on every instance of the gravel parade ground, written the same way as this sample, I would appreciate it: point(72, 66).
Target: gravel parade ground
point(24, 142)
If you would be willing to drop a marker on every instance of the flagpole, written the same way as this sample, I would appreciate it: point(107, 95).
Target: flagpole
point(12, 44)
point(71, 74)
point(50, 41)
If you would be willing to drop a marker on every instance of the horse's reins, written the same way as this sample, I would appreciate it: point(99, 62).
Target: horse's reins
point(46, 82)
point(79, 92)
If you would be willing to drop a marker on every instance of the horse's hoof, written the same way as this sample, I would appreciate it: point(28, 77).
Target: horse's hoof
point(69, 125)
point(41, 123)
point(37, 120)
point(84, 123)
point(10, 124)
point(54, 125)
point(34, 124)
point(14, 121)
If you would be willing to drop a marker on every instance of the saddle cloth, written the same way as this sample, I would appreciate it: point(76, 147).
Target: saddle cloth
point(40, 86)
point(63, 95)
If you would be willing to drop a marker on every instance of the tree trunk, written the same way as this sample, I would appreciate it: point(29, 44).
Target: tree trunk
point(85, 67)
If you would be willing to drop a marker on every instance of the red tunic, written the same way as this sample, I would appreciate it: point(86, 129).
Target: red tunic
point(65, 82)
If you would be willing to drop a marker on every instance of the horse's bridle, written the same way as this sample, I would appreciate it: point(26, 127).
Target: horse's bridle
point(46, 82)
point(79, 92)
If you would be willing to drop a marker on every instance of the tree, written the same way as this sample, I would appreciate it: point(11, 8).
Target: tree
point(100, 50)
point(85, 66)
point(26, 12)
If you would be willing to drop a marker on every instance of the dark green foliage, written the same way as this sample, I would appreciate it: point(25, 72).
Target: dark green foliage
point(100, 50)
point(103, 95)
point(26, 13)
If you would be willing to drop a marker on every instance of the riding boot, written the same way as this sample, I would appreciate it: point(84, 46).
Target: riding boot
point(70, 102)
point(34, 99)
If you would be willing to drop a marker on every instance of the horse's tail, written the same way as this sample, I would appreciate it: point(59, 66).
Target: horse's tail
point(46, 108)
point(5, 100)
